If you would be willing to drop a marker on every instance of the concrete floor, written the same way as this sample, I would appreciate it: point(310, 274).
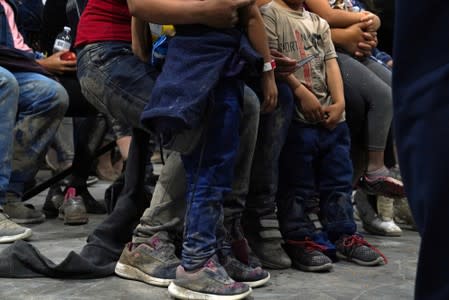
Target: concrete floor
point(347, 281)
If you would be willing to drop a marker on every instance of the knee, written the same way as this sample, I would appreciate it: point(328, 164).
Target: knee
point(53, 99)
point(9, 89)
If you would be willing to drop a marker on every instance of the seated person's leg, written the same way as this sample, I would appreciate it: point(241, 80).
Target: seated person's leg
point(9, 96)
point(42, 105)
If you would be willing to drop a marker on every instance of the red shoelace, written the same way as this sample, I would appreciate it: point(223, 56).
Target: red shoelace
point(359, 240)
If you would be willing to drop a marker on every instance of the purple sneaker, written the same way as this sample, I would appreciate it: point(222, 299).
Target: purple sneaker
point(382, 185)
point(210, 282)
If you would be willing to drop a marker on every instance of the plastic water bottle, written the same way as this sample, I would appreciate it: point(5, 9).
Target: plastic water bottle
point(63, 40)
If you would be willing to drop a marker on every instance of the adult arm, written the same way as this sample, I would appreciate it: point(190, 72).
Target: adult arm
point(354, 40)
point(337, 18)
point(214, 13)
point(253, 22)
point(140, 39)
point(54, 64)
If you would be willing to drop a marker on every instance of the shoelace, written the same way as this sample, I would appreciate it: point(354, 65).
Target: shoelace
point(308, 244)
point(356, 239)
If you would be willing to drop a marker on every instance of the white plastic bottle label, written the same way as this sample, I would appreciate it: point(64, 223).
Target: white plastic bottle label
point(61, 45)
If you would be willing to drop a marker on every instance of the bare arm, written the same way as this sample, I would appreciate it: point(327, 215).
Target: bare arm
point(335, 87)
point(253, 22)
point(54, 64)
point(336, 18)
point(354, 40)
point(214, 13)
point(140, 39)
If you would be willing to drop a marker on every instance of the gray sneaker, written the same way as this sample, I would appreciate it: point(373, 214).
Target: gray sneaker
point(10, 231)
point(265, 240)
point(153, 262)
point(22, 213)
point(209, 282)
point(72, 210)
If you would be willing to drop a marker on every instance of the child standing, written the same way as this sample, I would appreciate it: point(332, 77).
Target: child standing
point(315, 182)
point(201, 73)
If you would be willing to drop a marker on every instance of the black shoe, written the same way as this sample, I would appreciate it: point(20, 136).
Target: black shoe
point(308, 256)
point(53, 201)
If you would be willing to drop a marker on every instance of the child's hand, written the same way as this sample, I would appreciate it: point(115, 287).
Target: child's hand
point(310, 106)
point(333, 113)
point(270, 92)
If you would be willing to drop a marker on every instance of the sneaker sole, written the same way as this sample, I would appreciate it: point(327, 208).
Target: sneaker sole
point(322, 268)
point(29, 221)
point(386, 189)
point(76, 221)
point(269, 265)
point(12, 238)
point(257, 283)
point(378, 261)
point(183, 293)
point(374, 230)
point(129, 272)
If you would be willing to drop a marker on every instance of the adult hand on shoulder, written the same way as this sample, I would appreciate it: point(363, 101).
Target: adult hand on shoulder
point(284, 65)
point(54, 64)
point(222, 13)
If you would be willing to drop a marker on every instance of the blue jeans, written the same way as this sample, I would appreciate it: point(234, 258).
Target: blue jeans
point(315, 162)
point(115, 81)
point(31, 109)
point(210, 182)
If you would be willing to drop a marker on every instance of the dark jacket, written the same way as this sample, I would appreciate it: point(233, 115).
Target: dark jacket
point(197, 58)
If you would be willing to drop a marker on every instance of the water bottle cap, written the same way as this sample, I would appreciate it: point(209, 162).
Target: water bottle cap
point(67, 28)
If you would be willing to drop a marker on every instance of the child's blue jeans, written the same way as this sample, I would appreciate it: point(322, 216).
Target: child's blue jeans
point(208, 183)
point(315, 162)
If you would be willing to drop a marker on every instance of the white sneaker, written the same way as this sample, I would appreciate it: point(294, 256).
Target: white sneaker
point(378, 226)
point(10, 231)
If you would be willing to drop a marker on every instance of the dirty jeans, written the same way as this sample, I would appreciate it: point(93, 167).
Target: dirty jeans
point(31, 109)
point(209, 169)
point(315, 162)
point(168, 203)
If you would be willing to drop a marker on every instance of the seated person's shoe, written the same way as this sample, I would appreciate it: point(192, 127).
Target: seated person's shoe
point(209, 282)
point(308, 256)
point(382, 186)
point(73, 211)
point(54, 200)
point(380, 222)
point(356, 249)
point(252, 276)
point(265, 240)
point(92, 205)
point(22, 213)
point(10, 231)
point(153, 262)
